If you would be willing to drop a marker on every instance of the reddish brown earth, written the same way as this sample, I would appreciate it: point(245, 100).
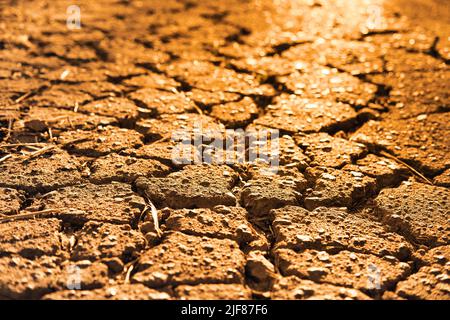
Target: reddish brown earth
point(89, 195)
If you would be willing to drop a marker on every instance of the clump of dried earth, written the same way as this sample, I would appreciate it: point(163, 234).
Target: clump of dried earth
point(92, 205)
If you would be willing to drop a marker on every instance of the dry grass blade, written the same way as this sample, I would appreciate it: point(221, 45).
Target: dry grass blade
point(38, 153)
point(30, 215)
point(155, 218)
point(23, 97)
point(143, 213)
point(74, 141)
point(271, 231)
point(5, 158)
point(13, 145)
point(50, 134)
point(33, 148)
point(200, 111)
point(128, 274)
point(8, 134)
point(40, 214)
point(414, 171)
point(163, 139)
point(72, 242)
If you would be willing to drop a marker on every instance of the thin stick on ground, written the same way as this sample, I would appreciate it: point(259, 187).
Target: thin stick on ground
point(13, 145)
point(46, 147)
point(30, 215)
point(414, 171)
point(74, 141)
point(5, 158)
point(50, 134)
point(33, 148)
point(155, 218)
point(197, 108)
point(8, 133)
point(163, 139)
point(25, 215)
point(38, 153)
point(23, 97)
point(128, 274)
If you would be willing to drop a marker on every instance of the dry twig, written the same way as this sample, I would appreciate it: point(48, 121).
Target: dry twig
point(414, 171)
point(41, 214)
point(5, 157)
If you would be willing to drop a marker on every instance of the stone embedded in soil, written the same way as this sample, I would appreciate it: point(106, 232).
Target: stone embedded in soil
point(335, 229)
point(386, 171)
point(100, 142)
point(325, 150)
point(420, 142)
point(235, 114)
point(114, 167)
point(196, 186)
point(443, 180)
point(291, 113)
point(186, 126)
point(213, 292)
point(294, 288)
point(11, 201)
point(337, 188)
point(418, 211)
point(124, 110)
point(31, 238)
point(185, 259)
point(111, 292)
point(320, 82)
point(162, 101)
point(348, 269)
point(31, 279)
point(219, 222)
point(259, 267)
point(98, 240)
point(52, 170)
point(429, 283)
point(41, 119)
point(112, 203)
point(265, 193)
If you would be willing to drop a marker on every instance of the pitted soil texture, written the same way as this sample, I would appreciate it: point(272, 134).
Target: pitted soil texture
point(96, 201)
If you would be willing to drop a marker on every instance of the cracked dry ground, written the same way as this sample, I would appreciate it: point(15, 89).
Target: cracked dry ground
point(360, 205)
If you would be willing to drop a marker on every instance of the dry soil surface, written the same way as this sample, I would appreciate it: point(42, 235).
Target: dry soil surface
point(93, 207)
